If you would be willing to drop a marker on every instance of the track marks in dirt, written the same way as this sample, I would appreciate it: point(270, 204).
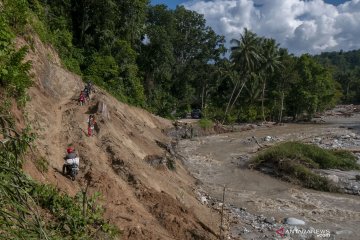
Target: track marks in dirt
point(134, 193)
point(177, 219)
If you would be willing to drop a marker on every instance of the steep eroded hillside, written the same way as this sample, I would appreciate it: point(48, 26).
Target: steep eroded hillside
point(143, 198)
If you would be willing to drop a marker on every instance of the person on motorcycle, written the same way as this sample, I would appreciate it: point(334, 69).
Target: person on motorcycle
point(71, 153)
point(71, 165)
point(70, 149)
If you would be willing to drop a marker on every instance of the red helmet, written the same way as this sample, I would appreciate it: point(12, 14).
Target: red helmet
point(70, 149)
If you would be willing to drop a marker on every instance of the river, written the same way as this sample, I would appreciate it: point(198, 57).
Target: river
point(221, 160)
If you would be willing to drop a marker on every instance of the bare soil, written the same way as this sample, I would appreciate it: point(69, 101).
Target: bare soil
point(144, 201)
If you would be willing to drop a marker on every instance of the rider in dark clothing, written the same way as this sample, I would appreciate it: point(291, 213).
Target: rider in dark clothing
point(71, 155)
point(87, 93)
point(88, 89)
point(89, 85)
point(71, 162)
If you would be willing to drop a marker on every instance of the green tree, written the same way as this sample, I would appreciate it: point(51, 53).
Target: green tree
point(177, 51)
point(15, 13)
point(314, 90)
point(245, 56)
point(281, 83)
point(14, 71)
point(157, 53)
point(132, 18)
point(271, 62)
point(345, 70)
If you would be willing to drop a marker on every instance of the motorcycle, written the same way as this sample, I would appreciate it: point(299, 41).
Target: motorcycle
point(71, 168)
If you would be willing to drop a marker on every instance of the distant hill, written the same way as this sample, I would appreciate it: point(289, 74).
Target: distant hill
point(346, 71)
point(341, 59)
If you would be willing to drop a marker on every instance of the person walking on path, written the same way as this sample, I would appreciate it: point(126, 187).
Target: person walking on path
point(82, 98)
point(91, 125)
point(88, 90)
point(87, 94)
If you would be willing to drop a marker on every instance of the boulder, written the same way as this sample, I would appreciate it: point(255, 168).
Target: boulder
point(333, 178)
point(103, 110)
point(345, 137)
point(270, 220)
point(343, 232)
point(204, 200)
point(268, 138)
point(294, 221)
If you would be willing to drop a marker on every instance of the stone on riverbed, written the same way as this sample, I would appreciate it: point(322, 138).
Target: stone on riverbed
point(294, 221)
point(343, 232)
point(333, 178)
point(270, 220)
point(268, 138)
point(204, 200)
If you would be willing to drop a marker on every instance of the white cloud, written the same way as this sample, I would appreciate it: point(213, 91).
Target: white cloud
point(301, 26)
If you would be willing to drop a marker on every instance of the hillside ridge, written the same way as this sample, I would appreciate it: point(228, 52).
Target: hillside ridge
point(143, 200)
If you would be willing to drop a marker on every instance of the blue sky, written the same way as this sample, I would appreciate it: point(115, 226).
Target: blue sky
point(170, 3)
point(335, 2)
point(173, 3)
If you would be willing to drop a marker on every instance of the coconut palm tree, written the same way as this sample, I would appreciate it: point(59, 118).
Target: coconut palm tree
point(270, 62)
point(245, 56)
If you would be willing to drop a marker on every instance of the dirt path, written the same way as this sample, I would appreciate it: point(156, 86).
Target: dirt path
point(144, 201)
point(113, 160)
point(220, 160)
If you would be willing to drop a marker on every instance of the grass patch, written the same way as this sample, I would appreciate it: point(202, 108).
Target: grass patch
point(171, 164)
point(206, 123)
point(70, 216)
point(42, 164)
point(294, 161)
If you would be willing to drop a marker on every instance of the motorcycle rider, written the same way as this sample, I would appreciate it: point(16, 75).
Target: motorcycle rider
point(71, 165)
point(70, 148)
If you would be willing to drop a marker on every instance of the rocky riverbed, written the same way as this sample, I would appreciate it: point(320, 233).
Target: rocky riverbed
point(258, 206)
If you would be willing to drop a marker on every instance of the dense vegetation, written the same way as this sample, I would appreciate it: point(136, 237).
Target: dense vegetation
point(14, 71)
point(29, 210)
point(345, 68)
point(294, 162)
point(169, 61)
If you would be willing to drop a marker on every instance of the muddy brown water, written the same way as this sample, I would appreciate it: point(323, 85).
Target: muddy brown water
point(221, 160)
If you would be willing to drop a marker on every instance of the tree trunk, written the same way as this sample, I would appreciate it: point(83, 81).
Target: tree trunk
point(237, 96)
point(227, 107)
point(84, 203)
point(149, 83)
point(282, 106)
point(262, 100)
point(202, 97)
point(347, 91)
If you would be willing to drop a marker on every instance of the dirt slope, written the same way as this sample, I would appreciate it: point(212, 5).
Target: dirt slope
point(145, 201)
